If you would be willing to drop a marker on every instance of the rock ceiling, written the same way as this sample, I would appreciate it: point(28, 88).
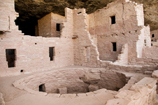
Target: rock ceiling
point(35, 9)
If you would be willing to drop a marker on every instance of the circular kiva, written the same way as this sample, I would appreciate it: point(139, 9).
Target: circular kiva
point(80, 80)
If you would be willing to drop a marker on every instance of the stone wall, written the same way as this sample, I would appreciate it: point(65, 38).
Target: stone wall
point(44, 26)
point(150, 52)
point(123, 57)
point(56, 19)
point(93, 38)
point(147, 38)
point(138, 91)
point(154, 35)
point(7, 15)
point(48, 25)
point(85, 51)
point(78, 80)
point(141, 93)
point(144, 61)
point(128, 18)
point(32, 53)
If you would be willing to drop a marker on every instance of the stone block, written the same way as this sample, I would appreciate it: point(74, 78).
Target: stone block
point(62, 90)
point(93, 88)
point(155, 74)
point(91, 78)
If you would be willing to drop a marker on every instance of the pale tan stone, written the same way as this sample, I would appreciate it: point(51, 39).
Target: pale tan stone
point(155, 74)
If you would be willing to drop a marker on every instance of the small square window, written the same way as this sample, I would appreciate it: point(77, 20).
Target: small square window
point(113, 20)
point(79, 12)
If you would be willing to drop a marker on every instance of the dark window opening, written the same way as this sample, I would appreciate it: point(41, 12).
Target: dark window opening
point(42, 88)
point(152, 40)
point(151, 44)
point(10, 57)
point(145, 42)
point(114, 46)
point(1, 32)
point(57, 27)
point(79, 12)
point(21, 71)
point(153, 35)
point(27, 26)
point(51, 53)
point(113, 20)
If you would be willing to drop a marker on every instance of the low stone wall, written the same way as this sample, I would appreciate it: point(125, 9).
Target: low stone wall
point(79, 80)
point(123, 56)
point(141, 93)
point(144, 61)
point(127, 68)
point(138, 91)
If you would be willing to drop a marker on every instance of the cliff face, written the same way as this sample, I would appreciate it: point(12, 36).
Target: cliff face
point(31, 10)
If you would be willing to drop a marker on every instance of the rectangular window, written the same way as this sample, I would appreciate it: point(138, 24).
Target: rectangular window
point(57, 27)
point(51, 53)
point(114, 46)
point(10, 57)
point(113, 20)
point(153, 35)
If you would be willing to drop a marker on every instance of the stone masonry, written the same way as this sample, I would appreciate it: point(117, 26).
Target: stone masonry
point(109, 41)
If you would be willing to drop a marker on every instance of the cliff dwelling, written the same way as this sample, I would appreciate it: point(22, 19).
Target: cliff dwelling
point(107, 57)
